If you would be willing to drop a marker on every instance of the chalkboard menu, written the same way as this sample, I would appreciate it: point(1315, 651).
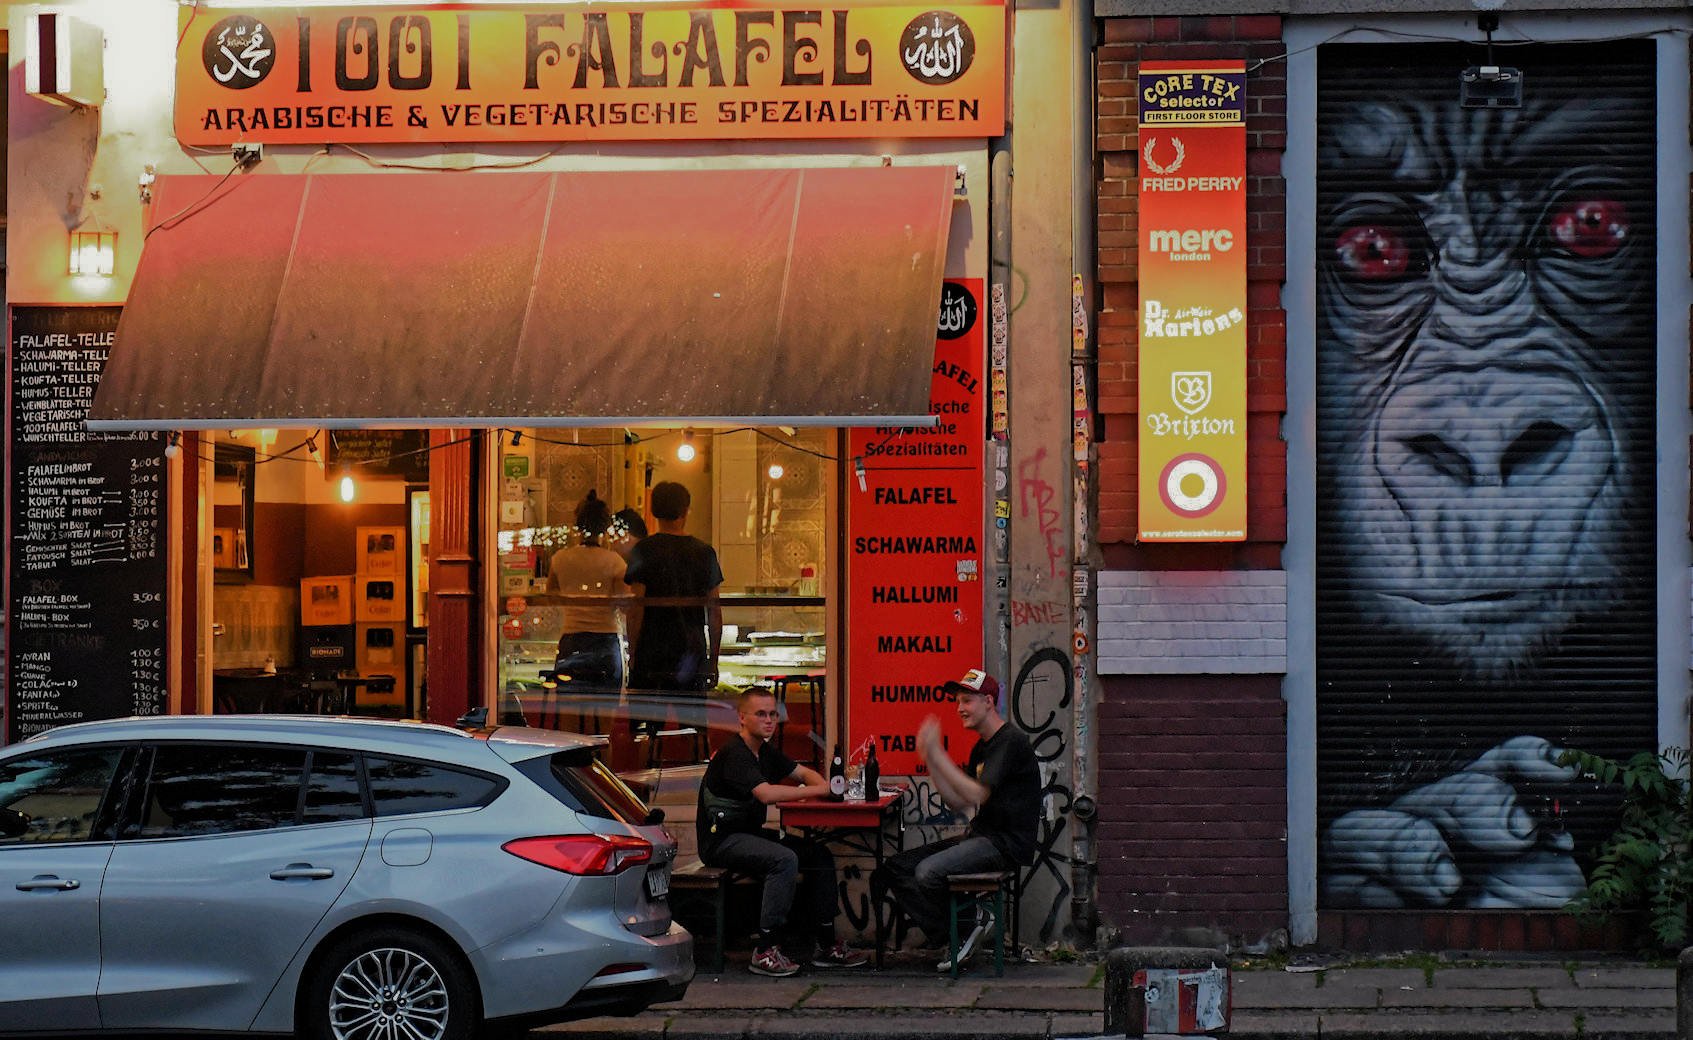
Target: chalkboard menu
point(86, 596)
point(391, 453)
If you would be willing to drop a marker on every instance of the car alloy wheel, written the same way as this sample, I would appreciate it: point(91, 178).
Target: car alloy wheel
point(391, 983)
point(388, 992)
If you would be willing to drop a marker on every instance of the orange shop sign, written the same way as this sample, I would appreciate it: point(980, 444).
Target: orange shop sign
point(588, 72)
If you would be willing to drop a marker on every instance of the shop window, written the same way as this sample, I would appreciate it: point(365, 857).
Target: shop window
point(761, 498)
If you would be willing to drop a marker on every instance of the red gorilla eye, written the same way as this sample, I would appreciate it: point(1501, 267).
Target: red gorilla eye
point(1372, 252)
point(1591, 228)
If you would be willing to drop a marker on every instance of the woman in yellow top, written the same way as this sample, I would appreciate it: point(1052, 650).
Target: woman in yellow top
point(590, 577)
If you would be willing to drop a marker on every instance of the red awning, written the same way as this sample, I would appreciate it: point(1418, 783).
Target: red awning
point(782, 297)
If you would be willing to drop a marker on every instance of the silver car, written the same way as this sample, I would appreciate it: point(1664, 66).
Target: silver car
point(332, 877)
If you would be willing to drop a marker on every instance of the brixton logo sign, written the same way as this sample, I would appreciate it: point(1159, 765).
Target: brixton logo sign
point(937, 47)
point(239, 52)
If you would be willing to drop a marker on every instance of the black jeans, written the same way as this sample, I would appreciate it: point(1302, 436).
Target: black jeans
point(784, 864)
point(593, 660)
point(917, 878)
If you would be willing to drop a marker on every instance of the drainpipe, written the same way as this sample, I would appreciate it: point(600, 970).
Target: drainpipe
point(1083, 374)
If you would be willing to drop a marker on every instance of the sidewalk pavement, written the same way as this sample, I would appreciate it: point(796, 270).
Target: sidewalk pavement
point(1530, 999)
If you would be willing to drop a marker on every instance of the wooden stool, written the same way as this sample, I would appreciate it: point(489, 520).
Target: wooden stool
point(694, 881)
point(997, 888)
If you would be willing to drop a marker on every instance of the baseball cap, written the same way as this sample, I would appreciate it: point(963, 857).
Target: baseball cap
point(974, 681)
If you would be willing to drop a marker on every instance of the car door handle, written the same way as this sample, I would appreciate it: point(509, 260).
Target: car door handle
point(301, 872)
point(50, 881)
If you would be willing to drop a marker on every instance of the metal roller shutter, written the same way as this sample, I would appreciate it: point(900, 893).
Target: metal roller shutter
point(1485, 481)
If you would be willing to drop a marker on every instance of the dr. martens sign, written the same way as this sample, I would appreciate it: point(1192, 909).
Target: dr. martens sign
point(594, 72)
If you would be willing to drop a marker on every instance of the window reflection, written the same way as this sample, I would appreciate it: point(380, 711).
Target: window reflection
point(54, 797)
point(332, 789)
point(219, 790)
point(398, 787)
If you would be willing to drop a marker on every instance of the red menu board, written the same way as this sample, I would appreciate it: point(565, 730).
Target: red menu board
point(914, 545)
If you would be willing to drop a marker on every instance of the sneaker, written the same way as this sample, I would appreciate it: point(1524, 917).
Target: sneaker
point(972, 942)
point(770, 961)
point(840, 955)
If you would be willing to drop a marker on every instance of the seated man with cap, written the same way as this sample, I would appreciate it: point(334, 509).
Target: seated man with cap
point(999, 788)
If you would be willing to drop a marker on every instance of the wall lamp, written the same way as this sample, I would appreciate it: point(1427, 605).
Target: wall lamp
point(94, 252)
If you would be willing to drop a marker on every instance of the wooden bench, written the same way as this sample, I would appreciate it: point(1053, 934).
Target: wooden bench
point(693, 881)
point(999, 888)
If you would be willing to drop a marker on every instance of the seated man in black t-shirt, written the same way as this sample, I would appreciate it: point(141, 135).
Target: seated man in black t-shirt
point(1000, 784)
point(745, 777)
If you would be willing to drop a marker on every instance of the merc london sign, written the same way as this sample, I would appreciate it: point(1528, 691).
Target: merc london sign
point(726, 69)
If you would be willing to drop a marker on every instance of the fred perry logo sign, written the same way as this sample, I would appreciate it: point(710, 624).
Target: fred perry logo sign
point(937, 47)
point(239, 52)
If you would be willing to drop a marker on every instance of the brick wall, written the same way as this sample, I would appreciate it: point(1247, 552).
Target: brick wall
point(1192, 622)
point(1128, 41)
point(1193, 767)
point(1193, 808)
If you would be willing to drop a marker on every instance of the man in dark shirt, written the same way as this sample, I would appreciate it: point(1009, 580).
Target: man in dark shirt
point(746, 776)
point(1000, 784)
point(673, 645)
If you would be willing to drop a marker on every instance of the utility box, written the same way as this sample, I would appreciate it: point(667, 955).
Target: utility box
point(63, 59)
point(1167, 990)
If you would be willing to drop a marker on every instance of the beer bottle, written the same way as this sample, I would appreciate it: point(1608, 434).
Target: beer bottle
point(872, 775)
point(837, 775)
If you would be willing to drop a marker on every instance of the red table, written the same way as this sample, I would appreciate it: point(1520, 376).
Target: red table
point(862, 826)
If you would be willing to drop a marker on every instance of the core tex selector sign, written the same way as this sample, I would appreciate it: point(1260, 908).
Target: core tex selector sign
point(1192, 214)
point(719, 70)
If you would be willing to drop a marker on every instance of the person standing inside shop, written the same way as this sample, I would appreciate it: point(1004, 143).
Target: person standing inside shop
point(999, 787)
point(676, 627)
point(590, 577)
point(627, 529)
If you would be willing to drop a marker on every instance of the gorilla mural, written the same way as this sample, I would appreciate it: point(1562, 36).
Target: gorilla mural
point(1485, 589)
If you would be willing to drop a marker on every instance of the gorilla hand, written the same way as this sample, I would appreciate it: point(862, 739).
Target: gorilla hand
point(1409, 853)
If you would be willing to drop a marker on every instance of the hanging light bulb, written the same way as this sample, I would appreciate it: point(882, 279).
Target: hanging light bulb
point(173, 447)
point(347, 487)
point(315, 452)
point(775, 471)
point(685, 450)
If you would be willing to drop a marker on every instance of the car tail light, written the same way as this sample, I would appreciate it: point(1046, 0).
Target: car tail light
point(584, 854)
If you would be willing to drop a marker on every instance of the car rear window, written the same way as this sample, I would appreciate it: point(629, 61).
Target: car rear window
point(216, 789)
point(399, 786)
point(581, 781)
point(332, 789)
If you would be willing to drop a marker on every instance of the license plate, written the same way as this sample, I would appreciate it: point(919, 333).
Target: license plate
point(658, 882)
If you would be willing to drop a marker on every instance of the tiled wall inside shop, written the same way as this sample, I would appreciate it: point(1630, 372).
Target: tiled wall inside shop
point(258, 622)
